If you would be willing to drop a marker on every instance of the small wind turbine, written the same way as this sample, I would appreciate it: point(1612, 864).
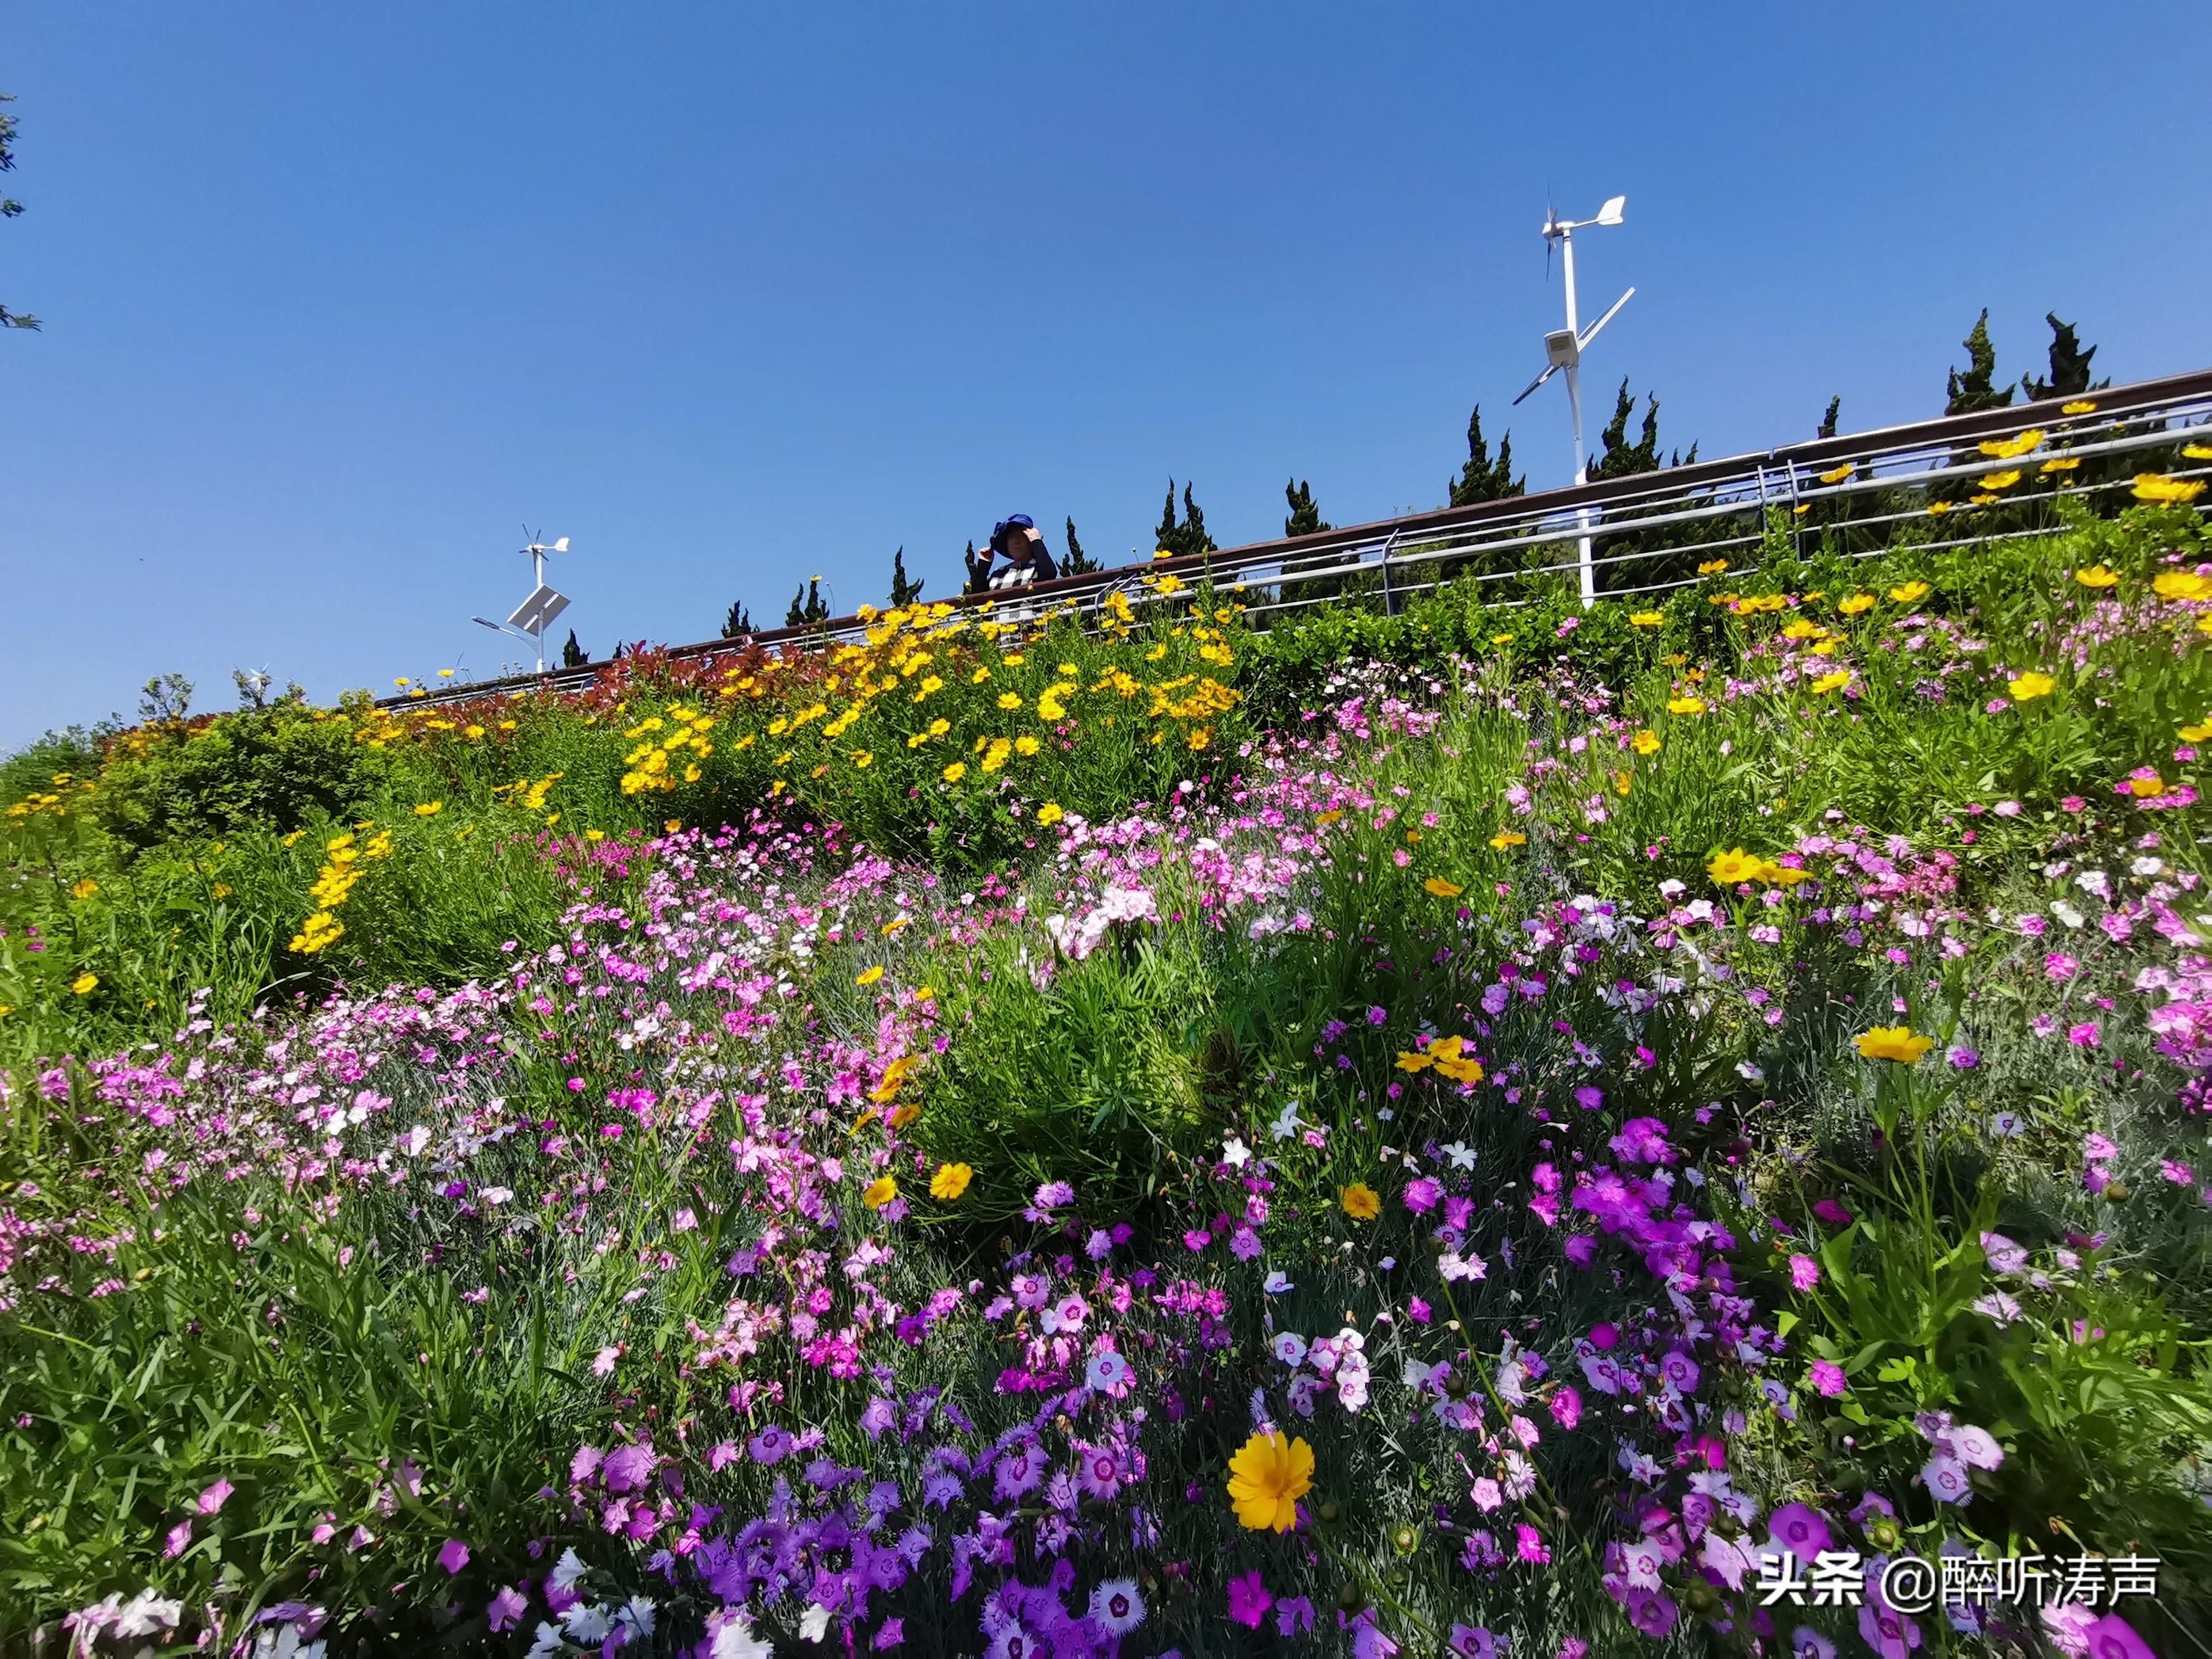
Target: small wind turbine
point(1563, 347)
point(534, 614)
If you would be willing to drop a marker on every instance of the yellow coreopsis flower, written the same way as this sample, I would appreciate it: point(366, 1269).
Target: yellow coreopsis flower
point(2197, 451)
point(2157, 487)
point(1685, 705)
point(2096, 575)
point(2144, 788)
point(951, 1181)
point(1266, 1477)
point(1051, 812)
point(1907, 593)
point(1937, 509)
point(1646, 742)
point(84, 984)
point(1712, 567)
point(870, 976)
point(1897, 1042)
point(1836, 475)
point(1505, 840)
point(1828, 683)
point(1734, 866)
point(955, 772)
point(1647, 619)
point(2004, 480)
point(429, 809)
point(1360, 1202)
point(2060, 463)
point(2026, 687)
point(879, 1192)
point(2079, 406)
point(2007, 448)
point(2179, 586)
point(1440, 888)
point(1856, 603)
point(2197, 733)
point(83, 889)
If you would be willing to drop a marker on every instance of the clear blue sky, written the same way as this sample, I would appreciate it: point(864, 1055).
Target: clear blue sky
point(338, 297)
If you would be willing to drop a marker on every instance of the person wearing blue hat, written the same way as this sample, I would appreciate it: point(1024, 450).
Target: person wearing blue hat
point(1027, 561)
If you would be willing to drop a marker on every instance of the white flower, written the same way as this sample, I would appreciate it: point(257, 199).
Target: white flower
point(146, 1612)
point(1289, 1348)
point(1115, 1607)
point(1235, 1153)
point(1460, 1154)
point(586, 1623)
point(730, 1637)
point(1286, 1122)
point(548, 1644)
point(566, 1571)
point(1451, 1265)
point(1277, 1282)
point(814, 1623)
point(2148, 865)
point(637, 1614)
point(1106, 1372)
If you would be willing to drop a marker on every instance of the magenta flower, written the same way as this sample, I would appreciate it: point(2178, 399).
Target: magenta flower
point(1249, 1600)
point(173, 1544)
point(1827, 1378)
point(1801, 1530)
point(2113, 1637)
point(454, 1555)
point(505, 1610)
point(1567, 1405)
point(1804, 1272)
point(214, 1496)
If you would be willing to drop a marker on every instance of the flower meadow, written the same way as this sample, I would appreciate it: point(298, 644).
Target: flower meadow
point(1493, 1129)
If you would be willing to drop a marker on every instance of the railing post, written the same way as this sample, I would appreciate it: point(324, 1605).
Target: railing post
point(1390, 593)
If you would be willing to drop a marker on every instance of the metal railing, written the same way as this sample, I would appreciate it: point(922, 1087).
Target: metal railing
point(1859, 494)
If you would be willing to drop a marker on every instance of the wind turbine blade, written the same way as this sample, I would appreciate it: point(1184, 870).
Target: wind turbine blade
point(1590, 333)
point(1538, 381)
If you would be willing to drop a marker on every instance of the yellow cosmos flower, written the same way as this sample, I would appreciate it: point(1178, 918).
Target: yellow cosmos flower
point(1360, 1202)
point(1853, 606)
point(1647, 619)
point(1050, 812)
point(2157, 487)
point(1505, 840)
point(84, 984)
point(2096, 575)
point(955, 772)
point(1907, 593)
point(2179, 586)
point(1734, 866)
point(1897, 1042)
point(1685, 705)
point(870, 976)
point(1828, 683)
point(1441, 889)
point(1712, 567)
point(880, 1191)
point(1646, 742)
point(1266, 1477)
point(2027, 688)
point(949, 1182)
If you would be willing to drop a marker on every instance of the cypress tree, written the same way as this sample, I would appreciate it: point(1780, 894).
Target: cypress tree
point(903, 592)
point(1828, 421)
point(2069, 365)
point(736, 623)
point(1078, 562)
point(1976, 387)
point(796, 616)
point(808, 608)
point(978, 580)
point(1624, 459)
point(1305, 517)
point(1481, 479)
point(1190, 535)
point(573, 655)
